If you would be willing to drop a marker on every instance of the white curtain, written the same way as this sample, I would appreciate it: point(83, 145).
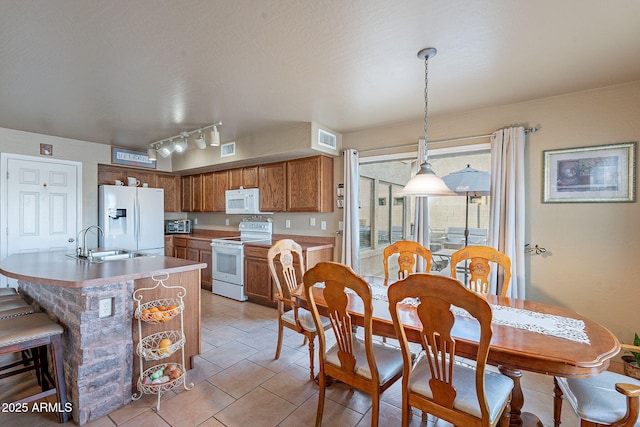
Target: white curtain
point(506, 229)
point(421, 219)
point(350, 218)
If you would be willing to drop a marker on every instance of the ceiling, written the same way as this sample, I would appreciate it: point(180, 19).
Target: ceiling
point(129, 73)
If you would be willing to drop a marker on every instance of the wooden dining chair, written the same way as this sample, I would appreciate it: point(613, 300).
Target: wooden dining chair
point(288, 254)
point(361, 363)
point(408, 252)
point(482, 257)
point(455, 392)
point(607, 400)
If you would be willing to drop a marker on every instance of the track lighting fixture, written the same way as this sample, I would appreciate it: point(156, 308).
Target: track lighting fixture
point(167, 146)
point(152, 154)
point(215, 136)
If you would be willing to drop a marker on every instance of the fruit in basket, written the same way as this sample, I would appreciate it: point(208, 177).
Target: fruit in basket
point(146, 314)
point(164, 346)
point(175, 374)
point(160, 380)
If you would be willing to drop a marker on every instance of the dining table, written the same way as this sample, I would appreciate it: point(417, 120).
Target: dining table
point(527, 336)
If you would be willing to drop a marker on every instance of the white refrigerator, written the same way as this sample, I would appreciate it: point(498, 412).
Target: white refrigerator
point(132, 218)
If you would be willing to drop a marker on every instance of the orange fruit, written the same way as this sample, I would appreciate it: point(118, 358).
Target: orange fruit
point(164, 346)
point(154, 309)
point(157, 316)
point(162, 308)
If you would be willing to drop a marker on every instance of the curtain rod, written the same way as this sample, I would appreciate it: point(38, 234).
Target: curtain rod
point(442, 141)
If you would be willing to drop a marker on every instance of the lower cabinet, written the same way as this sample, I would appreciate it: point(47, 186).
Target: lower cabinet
point(258, 285)
point(198, 250)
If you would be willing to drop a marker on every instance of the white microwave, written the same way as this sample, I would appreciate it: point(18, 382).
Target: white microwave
point(245, 201)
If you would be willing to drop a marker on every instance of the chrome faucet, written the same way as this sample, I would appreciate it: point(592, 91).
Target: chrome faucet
point(83, 251)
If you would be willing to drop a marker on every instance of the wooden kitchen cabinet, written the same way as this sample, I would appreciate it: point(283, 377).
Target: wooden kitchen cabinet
point(171, 186)
point(273, 185)
point(258, 285)
point(186, 201)
point(214, 184)
point(243, 177)
point(169, 249)
point(107, 175)
point(142, 176)
point(198, 250)
point(180, 247)
point(220, 185)
point(310, 184)
point(197, 202)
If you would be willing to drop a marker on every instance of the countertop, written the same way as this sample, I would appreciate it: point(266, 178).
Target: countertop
point(305, 241)
point(56, 268)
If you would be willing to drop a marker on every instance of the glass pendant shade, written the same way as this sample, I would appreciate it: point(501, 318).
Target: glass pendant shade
point(426, 183)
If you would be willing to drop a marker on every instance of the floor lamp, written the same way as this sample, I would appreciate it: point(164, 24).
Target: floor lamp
point(472, 183)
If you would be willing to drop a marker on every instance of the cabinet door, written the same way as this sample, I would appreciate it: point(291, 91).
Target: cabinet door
point(310, 184)
point(169, 250)
point(185, 193)
point(235, 178)
point(221, 184)
point(107, 175)
point(196, 193)
point(258, 286)
point(250, 177)
point(205, 256)
point(180, 247)
point(208, 180)
point(273, 187)
point(171, 186)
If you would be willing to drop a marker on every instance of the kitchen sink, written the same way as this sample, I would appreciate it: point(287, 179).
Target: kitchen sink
point(108, 255)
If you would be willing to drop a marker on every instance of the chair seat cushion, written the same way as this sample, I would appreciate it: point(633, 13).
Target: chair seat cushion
point(16, 330)
point(388, 359)
point(595, 399)
point(306, 319)
point(497, 387)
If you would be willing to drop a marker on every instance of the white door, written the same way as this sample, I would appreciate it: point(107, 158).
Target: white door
point(40, 200)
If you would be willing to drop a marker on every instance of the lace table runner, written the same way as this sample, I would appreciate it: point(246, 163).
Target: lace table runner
point(547, 324)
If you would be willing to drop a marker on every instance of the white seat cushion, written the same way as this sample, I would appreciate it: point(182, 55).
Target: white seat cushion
point(306, 319)
point(497, 387)
point(595, 399)
point(388, 359)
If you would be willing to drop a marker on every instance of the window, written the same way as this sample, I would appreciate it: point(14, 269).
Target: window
point(389, 217)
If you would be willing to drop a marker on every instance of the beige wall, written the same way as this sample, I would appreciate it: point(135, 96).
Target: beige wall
point(591, 247)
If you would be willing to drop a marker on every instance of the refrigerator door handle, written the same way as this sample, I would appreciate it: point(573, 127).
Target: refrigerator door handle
point(136, 216)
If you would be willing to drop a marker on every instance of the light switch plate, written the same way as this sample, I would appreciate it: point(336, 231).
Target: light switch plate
point(312, 221)
point(287, 223)
point(323, 225)
point(104, 309)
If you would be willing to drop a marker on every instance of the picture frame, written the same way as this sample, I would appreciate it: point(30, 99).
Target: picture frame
point(131, 157)
point(46, 149)
point(600, 173)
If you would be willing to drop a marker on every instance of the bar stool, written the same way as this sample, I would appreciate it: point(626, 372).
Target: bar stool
point(32, 331)
point(14, 307)
point(9, 294)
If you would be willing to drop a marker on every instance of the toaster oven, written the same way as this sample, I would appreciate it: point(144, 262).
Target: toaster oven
point(177, 226)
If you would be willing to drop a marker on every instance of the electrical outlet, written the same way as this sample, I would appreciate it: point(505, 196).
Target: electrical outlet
point(105, 307)
point(323, 225)
point(312, 221)
point(287, 223)
point(340, 225)
point(226, 221)
point(195, 221)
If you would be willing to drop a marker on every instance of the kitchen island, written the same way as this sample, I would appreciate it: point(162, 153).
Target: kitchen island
point(100, 364)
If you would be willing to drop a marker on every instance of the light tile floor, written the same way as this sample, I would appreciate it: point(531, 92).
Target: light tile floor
point(238, 383)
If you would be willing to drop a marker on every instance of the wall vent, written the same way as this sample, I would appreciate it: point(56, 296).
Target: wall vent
point(228, 149)
point(326, 139)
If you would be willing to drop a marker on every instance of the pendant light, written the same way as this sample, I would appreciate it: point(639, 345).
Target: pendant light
point(426, 183)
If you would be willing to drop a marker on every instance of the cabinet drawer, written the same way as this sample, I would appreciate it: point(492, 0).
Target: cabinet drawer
point(199, 244)
point(180, 241)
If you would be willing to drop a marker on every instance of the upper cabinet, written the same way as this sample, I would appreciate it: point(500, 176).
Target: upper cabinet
point(171, 186)
point(310, 184)
point(273, 187)
point(301, 185)
point(243, 177)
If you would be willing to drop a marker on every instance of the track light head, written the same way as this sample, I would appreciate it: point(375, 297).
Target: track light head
point(215, 137)
point(181, 145)
point(152, 154)
point(200, 141)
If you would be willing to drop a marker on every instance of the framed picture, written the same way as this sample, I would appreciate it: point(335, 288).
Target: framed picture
point(131, 157)
point(46, 149)
point(602, 173)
